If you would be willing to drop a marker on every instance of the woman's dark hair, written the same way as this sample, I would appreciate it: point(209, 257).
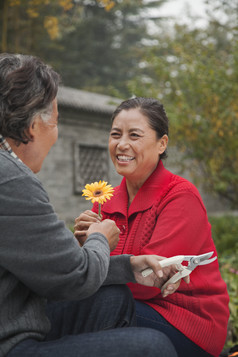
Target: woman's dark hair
point(27, 88)
point(153, 110)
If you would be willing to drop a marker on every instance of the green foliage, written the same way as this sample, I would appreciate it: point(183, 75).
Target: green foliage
point(229, 272)
point(225, 235)
point(197, 81)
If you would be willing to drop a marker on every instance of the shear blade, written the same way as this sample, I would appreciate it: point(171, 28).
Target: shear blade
point(205, 256)
point(207, 261)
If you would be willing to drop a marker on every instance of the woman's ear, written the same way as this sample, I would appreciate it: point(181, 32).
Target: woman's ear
point(163, 142)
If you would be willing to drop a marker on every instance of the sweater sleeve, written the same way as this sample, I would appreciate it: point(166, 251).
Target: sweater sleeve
point(182, 228)
point(40, 251)
point(120, 271)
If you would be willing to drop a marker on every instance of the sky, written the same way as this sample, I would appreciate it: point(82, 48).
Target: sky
point(175, 7)
point(180, 9)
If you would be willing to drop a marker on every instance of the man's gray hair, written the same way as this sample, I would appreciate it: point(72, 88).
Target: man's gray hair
point(27, 88)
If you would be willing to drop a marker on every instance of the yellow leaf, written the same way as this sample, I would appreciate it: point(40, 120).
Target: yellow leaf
point(108, 4)
point(15, 2)
point(66, 4)
point(52, 26)
point(32, 13)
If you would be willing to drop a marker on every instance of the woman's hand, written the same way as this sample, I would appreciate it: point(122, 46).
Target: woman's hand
point(159, 276)
point(82, 224)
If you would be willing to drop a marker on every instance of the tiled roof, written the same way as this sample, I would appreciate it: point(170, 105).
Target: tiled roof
point(87, 101)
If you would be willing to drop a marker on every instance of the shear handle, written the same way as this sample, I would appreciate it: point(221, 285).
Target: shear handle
point(165, 263)
point(179, 275)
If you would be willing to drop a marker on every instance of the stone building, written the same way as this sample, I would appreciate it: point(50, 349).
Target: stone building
point(80, 155)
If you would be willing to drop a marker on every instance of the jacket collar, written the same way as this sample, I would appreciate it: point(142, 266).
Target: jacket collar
point(149, 192)
point(5, 146)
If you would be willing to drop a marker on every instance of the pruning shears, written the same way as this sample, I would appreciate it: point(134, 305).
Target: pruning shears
point(193, 262)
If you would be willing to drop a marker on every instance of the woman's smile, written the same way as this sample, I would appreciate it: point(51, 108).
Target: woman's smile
point(124, 158)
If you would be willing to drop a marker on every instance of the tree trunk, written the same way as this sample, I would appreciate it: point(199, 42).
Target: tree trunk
point(4, 25)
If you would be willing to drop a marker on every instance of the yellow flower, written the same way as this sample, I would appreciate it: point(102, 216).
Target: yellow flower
point(98, 192)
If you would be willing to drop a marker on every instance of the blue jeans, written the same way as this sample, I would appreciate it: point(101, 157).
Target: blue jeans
point(146, 316)
point(100, 326)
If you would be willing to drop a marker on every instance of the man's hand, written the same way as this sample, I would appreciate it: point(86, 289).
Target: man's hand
point(109, 229)
point(159, 276)
point(82, 223)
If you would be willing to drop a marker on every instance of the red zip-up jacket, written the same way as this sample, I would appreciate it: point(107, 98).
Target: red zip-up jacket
point(167, 217)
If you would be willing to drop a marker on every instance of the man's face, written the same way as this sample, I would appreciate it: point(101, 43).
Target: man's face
point(45, 138)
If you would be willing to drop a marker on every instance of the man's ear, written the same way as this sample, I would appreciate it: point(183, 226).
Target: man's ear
point(163, 142)
point(33, 128)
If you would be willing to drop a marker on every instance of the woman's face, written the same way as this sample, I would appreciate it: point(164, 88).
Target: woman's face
point(134, 147)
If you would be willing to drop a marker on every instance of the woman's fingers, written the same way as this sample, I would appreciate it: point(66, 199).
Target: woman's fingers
point(170, 288)
point(85, 219)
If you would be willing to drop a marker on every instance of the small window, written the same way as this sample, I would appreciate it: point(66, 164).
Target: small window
point(90, 165)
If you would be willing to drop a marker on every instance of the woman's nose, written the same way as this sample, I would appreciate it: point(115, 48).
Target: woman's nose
point(123, 143)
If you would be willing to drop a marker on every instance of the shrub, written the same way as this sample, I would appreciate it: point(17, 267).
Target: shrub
point(225, 231)
point(225, 234)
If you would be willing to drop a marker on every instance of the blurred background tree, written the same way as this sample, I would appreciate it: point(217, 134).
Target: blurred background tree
point(94, 44)
point(195, 74)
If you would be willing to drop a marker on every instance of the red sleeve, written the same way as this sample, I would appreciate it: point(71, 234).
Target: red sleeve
point(182, 227)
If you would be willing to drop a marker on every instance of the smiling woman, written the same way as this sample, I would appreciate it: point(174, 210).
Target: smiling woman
point(160, 213)
point(135, 148)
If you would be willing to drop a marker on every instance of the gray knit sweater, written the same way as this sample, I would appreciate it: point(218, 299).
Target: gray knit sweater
point(40, 259)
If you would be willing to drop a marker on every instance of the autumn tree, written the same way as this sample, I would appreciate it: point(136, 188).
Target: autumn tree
point(24, 13)
point(96, 45)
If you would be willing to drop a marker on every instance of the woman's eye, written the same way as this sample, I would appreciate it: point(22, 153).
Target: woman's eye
point(115, 135)
point(134, 135)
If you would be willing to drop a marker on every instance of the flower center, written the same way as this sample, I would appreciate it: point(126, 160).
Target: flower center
point(97, 193)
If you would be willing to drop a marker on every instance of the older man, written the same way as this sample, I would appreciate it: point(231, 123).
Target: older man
point(51, 299)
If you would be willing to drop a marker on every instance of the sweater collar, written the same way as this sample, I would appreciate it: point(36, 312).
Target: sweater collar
point(149, 192)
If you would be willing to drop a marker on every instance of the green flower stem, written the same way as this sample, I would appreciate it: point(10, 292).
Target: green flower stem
point(99, 210)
